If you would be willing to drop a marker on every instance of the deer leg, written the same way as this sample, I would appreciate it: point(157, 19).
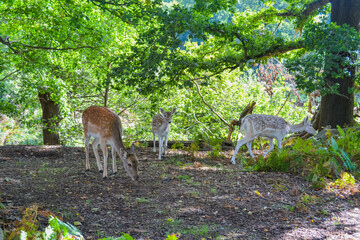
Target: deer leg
point(87, 162)
point(279, 143)
point(105, 152)
point(113, 153)
point(238, 145)
point(271, 146)
point(154, 140)
point(166, 143)
point(95, 144)
point(161, 139)
point(248, 145)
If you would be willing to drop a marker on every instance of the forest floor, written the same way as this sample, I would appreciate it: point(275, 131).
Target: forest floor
point(195, 197)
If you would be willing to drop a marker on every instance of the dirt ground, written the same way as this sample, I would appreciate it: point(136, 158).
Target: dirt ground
point(195, 197)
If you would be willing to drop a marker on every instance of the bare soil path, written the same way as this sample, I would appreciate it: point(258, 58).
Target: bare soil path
point(195, 197)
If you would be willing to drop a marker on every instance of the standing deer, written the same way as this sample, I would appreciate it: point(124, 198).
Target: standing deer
point(105, 126)
point(161, 127)
point(258, 125)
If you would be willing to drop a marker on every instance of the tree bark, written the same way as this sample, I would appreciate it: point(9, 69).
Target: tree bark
point(50, 119)
point(338, 109)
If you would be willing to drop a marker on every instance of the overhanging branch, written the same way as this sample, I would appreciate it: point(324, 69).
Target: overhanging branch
point(211, 109)
point(309, 10)
point(9, 75)
point(8, 44)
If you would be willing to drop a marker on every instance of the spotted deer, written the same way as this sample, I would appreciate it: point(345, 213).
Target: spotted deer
point(161, 127)
point(104, 126)
point(258, 125)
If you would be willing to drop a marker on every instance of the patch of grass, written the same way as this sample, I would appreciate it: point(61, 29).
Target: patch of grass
point(192, 182)
point(142, 200)
point(183, 177)
point(290, 208)
point(174, 161)
point(176, 225)
point(193, 193)
point(279, 187)
point(324, 212)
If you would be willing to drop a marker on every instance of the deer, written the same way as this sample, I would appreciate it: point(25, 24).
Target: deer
point(105, 127)
point(161, 127)
point(259, 125)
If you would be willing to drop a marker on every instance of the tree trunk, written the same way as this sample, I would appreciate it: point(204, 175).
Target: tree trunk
point(338, 109)
point(50, 119)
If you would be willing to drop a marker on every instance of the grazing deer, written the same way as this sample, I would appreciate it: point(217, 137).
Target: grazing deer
point(105, 126)
point(256, 125)
point(161, 127)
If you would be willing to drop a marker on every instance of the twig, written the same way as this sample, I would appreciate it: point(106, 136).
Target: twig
point(283, 104)
point(130, 105)
point(9, 75)
point(211, 109)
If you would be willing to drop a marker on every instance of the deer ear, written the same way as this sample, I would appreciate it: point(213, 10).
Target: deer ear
point(173, 111)
point(306, 119)
point(162, 110)
point(132, 148)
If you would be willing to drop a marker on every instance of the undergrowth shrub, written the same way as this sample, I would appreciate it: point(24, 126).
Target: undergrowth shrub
point(28, 228)
point(316, 159)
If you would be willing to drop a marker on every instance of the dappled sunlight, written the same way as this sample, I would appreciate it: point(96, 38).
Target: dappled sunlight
point(344, 187)
point(190, 209)
point(343, 225)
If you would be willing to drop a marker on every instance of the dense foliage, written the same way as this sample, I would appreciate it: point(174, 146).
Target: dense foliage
point(137, 56)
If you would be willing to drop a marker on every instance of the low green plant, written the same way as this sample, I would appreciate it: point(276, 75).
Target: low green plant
point(27, 228)
point(290, 208)
point(340, 153)
point(176, 225)
point(324, 212)
point(124, 236)
point(172, 237)
point(216, 145)
point(193, 149)
point(183, 177)
point(177, 145)
point(174, 161)
point(142, 200)
point(345, 181)
point(316, 160)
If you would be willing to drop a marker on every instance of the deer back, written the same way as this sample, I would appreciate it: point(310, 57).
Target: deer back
point(265, 125)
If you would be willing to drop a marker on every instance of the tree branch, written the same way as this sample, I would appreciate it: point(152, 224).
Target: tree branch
point(9, 75)
point(211, 109)
point(57, 49)
point(309, 10)
point(8, 43)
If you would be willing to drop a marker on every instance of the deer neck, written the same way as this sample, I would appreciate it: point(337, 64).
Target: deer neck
point(297, 128)
point(165, 126)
